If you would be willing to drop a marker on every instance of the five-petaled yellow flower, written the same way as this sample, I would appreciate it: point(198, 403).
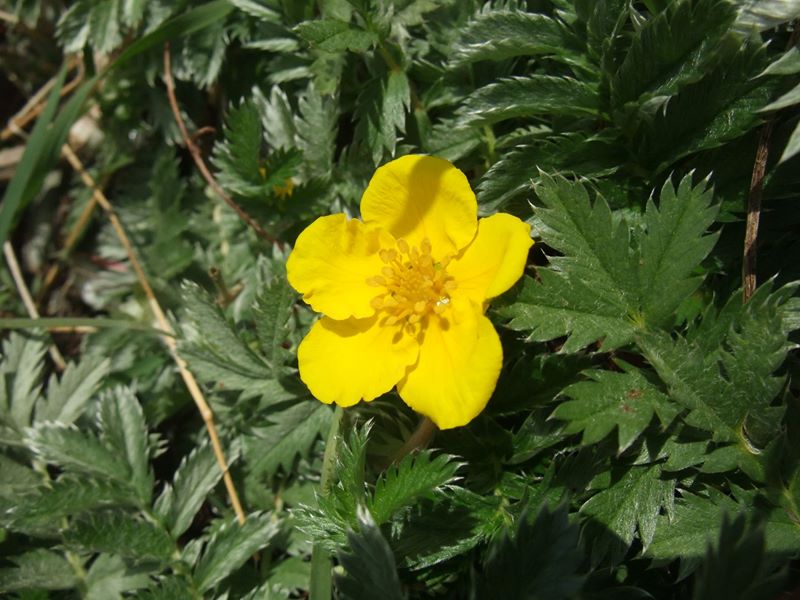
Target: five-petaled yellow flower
point(403, 293)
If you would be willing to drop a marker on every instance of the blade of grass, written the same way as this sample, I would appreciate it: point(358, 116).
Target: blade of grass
point(18, 188)
point(185, 24)
point(45, 142)
point(77, 323)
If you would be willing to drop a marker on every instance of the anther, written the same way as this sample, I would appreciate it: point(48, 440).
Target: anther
point(376, 281)
point(425, 246)
point(420, 306)
point(402, 246)
point(388, 271)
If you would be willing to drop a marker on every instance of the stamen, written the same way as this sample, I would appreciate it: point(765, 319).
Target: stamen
point(415, 285)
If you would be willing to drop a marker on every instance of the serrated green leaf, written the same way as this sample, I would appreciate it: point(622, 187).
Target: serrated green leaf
point(788, 99)
point(792, 146)
point(194, 479)
point(290, 434)
point(788, 64)
point(21, 374)
point(674, 244)
point(119, 533)
point(76, 451)
point(327, 525)
point(273, 314)
point(369, 565)
point(38, 569)
point(604, 20)
point(68, 395)
point(631, 504)
point(512, 176)
point(172, 587)
point(588, 295)
point(541, 560)
point(500, 34)
point(16, 478)
point(705, 114)
point(557, 306)
point(694, 525)
point(317, 126)
point(109, 577)
point(737, 565)
point(277, 117)
point(416, 476)
point(332, 35)
point(219, 356)
point(230, 546)
point(603, 286)
point(455, 524)
point(670, 50)
point(69, 496)
point(765, 14)
point(124, 430)
point(239, 156)
point(531, 96)
point(609, 400)
point(730, 388)
point(257, 9)
point(396, 102)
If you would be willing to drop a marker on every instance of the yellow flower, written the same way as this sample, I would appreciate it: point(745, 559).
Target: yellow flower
point(403, 293)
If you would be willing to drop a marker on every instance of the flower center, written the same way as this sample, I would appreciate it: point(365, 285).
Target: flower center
point(415, 285)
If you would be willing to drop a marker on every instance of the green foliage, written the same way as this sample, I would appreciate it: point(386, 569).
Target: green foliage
point(630, 505)
point(230, 546)
point(541, 560)
point(611, 279)
point(243, 167)
point(368, 563)
point(729, 567)
point(415, 477)
point(194, 479)
point(37, 569)
point(220, 356)
point(500, 34)
point(638, 394)
point(626, 401)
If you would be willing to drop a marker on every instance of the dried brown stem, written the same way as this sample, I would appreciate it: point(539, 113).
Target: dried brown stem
point(197, 155)
point(164, 325)
point(750, 252)
point(27, 300)
point(35, 105)
point(754, 214)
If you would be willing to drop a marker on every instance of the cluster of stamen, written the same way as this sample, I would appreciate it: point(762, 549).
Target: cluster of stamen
point(415, 285)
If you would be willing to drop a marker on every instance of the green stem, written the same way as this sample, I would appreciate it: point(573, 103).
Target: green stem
point(419, 439)
point(320, 587)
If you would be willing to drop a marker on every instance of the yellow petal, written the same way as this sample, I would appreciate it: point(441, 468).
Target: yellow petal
point(417, 197)
point(331, 262)
point(355, 359)
point(495, 259)
point(457, 369)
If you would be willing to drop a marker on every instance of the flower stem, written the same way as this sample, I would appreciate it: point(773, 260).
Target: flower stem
point(419, 439)
point(320, 584)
